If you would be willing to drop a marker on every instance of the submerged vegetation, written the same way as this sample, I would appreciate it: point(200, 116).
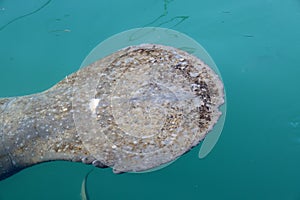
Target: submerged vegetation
point(25, 15)
point(160, 20)
point(84, 194)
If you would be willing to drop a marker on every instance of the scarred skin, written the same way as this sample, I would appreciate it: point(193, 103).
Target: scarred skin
point(51, 125)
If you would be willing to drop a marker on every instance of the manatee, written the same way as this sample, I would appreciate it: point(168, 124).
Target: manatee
point(133, 110)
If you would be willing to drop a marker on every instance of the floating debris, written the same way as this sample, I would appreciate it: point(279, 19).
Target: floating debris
point(84, 194)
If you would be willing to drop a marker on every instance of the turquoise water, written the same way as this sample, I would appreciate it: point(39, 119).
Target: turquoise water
point(256, 45)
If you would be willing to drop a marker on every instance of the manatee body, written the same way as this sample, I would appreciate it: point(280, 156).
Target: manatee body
point(136, 109)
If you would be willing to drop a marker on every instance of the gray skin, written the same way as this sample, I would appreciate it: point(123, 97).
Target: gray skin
point(39, 128)
point(105, 114)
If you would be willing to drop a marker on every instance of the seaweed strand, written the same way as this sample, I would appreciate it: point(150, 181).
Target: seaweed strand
point(25, 15)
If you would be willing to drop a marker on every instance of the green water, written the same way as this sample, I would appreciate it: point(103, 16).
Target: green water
point(256, 45)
